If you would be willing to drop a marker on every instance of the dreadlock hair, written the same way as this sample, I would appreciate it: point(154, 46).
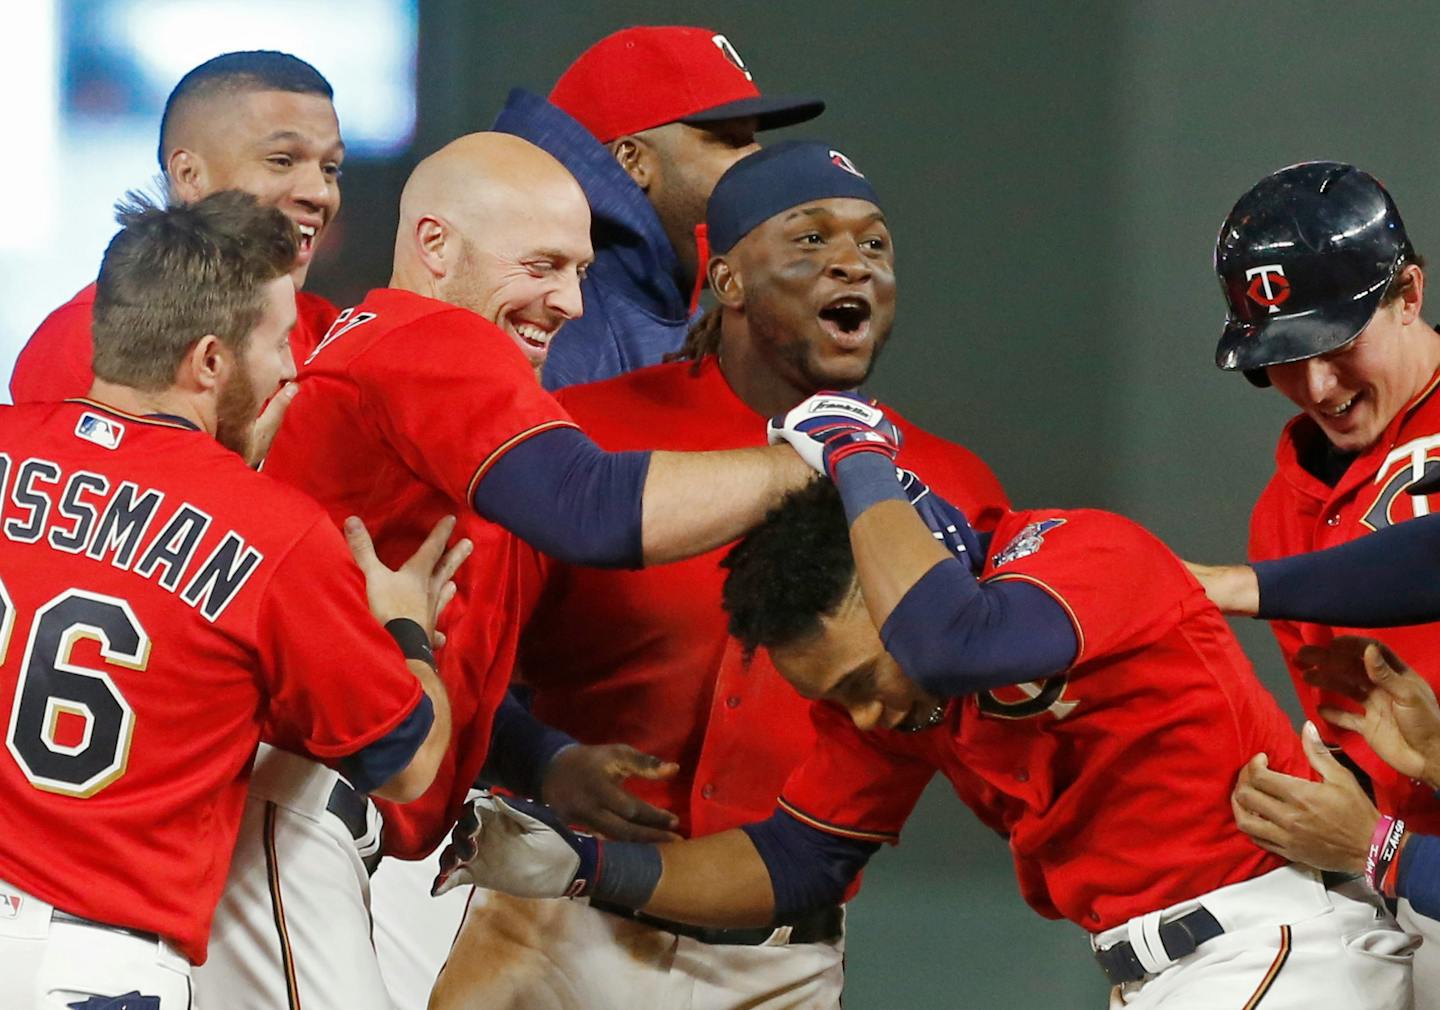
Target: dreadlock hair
point(790, 571)
point(176, 273)
point(702, 339)
point(254, 70)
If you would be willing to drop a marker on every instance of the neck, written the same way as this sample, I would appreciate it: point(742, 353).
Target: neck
point(409, 277)
point(139, 401)
point(753, 379)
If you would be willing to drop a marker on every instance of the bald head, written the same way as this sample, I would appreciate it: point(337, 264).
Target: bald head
point(494, 224)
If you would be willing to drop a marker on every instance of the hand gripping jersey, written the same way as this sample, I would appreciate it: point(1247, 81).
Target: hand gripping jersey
point(643, 656)
point(1298, 512)
point(404, 406)
point(54, 364)
point(159, 601)
point(1112, 779)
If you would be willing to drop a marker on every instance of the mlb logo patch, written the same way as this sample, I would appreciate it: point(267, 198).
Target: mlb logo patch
point(10, 905)
point(100, 430)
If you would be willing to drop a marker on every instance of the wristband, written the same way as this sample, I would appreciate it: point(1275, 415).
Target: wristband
point(411, 638)
point(625, 873)
point(866, 479)
point(1385, 845)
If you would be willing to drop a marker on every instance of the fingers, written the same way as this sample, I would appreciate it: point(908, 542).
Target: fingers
point(1320, 757)
point(630, 762)
point(1343, 719)
point(451, 562)
point(427, 556)
point(362, 548)
point(268, 423)
point(641, 822)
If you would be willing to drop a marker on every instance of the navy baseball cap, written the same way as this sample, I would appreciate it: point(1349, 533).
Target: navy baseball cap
point(774, 179)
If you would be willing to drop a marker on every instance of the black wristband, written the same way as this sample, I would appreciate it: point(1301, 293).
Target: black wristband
point(413, 641)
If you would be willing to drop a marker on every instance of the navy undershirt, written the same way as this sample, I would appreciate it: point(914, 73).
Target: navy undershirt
point(377, 763)
point(521, 749)
point(1389, 578)
point(562, 493)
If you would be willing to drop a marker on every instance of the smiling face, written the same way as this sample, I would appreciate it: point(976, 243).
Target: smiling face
point(1355, 391)
point(282, 147)
point(817, 293)
point(845, 663)
point(522, 269)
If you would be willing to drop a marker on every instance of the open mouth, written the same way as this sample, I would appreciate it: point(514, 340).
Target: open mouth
point(533, 340)
point(307, 238)
point(1340, 410)
point(847, 320)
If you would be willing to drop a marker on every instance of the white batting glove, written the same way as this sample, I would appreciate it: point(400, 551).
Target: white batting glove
point(517, 847)
point(827, 427)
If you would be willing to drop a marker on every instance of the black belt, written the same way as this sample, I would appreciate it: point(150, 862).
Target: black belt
point(817, 927)
point(74, 920)
point(352, 810)
point(1178, 936)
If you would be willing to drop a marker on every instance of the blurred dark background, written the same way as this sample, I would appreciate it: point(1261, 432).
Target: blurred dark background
point(1054, 174)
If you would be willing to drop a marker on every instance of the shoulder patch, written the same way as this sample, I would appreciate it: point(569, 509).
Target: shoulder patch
point(1027, 541)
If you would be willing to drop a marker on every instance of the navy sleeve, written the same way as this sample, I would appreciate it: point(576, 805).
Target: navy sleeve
point(1419, 874)
point(1388, 578)
point(372, 766)
point(521, 749)
point(562, 493)
point(809, 868)
point(953, 635)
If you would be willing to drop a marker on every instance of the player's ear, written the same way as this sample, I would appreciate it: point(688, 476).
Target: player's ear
point(1412, 293)
point(186, 172)
point(638, 159)
point(726, 283)
point(433, 245)
point(203, 366)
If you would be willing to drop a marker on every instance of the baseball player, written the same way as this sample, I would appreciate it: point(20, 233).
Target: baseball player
point(1325, 294)
point(159, 601)
point(1106, 726)
point(261, 122)
point(398, 437)
point(646, 119)
point(804, 264)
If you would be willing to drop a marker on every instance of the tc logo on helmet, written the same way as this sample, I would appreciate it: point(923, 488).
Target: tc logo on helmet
point(1268, 286)
point(723, 44)
point(840, 161)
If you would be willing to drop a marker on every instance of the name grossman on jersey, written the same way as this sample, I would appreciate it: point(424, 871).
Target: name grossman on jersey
point(86, 513)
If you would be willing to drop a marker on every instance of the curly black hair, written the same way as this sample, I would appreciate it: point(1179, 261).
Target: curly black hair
point(790, 571)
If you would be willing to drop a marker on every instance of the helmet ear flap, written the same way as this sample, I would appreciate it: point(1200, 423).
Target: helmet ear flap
point(1258, 377)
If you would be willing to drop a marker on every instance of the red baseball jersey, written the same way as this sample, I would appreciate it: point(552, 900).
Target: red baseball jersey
point(159, 601)
point(403, 407)
point(644, 657)
point(54, 364)
point(1298, 512)
point(1112, 779)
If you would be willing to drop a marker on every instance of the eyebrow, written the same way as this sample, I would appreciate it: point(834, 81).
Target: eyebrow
point(823, 212)
point(853, 678)
point(557, 254)
point(296, 138)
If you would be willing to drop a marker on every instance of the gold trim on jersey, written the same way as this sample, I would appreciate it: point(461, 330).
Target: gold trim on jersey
point(834, 829)
point(506, 446)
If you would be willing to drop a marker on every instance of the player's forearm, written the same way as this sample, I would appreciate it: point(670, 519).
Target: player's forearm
point(411, 782)
point(697, 501)
point(893, 550)
point(717, 880)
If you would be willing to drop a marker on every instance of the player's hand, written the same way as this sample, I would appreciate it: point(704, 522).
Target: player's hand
point(583, 785)
point(827, 427)
point(419, 589)
point(1325, 824)
point(262, 432)
point(517, 847)
point(1232, 588)
point(1399, 719)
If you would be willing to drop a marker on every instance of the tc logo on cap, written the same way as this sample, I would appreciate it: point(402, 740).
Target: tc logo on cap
point(840, 161)
point(1268, 286)
point(723, 44)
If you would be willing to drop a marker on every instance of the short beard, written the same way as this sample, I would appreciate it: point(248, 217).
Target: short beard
point(236, 409)
point(767, 331)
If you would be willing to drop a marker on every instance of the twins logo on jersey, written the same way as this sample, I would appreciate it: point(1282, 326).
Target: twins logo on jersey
point(1027, 541)
point(1025, 701)
point(1417, 462)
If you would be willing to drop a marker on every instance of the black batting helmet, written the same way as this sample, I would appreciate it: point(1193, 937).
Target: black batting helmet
point(1304, 260)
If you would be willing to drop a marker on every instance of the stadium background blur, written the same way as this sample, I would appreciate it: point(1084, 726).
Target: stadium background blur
point(1054, 174)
